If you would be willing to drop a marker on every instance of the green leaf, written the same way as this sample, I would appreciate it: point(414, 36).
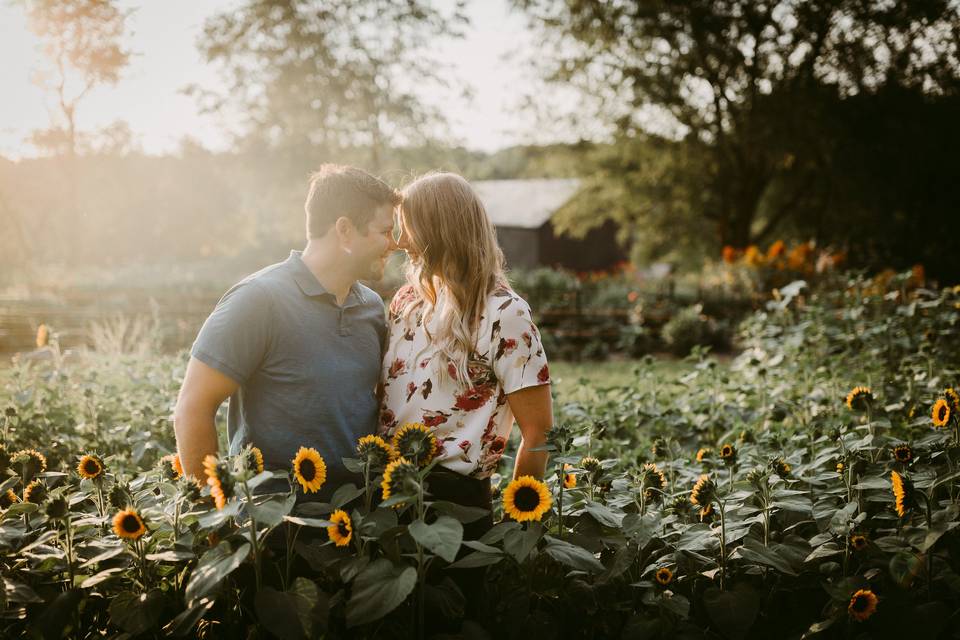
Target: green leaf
point(277, 611)
point(603, 514)
point(499, 531)
point(520, 542)
point(378, 590)
point(102, 576)
point(215, 565)
point(733, 611)
point(271, 511)
point(840, 522)
point(935, 533)
point(346, 493)
point(754, 551)
point(462, 513)
point(216, 517)
point(572, 555)
point(443, 537)
point(137, 613)
point(20, 592)
point(313, 605)
point(476, 559)
point(308, 522)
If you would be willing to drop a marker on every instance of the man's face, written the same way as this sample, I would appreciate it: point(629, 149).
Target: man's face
point(371, 250)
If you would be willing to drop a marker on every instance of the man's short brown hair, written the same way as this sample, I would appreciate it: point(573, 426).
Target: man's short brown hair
point(339, 190)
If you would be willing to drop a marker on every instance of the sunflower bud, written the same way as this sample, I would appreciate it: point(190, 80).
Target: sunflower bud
point(120, 496)
point(704, 491)
point(780, 467)
point(57, 508)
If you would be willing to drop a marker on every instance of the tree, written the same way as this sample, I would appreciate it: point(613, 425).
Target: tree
point(81, 39)
point(332, 74)
point(750, 87)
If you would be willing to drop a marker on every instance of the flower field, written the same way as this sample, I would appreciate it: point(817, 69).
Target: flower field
point(810, 487)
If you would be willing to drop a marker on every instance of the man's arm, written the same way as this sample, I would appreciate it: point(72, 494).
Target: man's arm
point(204, 390)
point(533, 409)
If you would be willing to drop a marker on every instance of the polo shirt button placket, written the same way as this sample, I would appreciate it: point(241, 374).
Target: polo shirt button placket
point(342, 328)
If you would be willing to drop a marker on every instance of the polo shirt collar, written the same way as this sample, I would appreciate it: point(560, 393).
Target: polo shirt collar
point(308, 282)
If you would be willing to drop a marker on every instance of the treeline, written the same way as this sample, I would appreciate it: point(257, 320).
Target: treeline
point(124, 208)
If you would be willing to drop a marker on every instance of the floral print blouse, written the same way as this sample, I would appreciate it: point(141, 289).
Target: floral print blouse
point(471, 424)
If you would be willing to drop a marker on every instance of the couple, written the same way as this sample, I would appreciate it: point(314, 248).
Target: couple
point(308, 357)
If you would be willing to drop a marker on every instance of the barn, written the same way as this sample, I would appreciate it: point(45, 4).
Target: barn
point(522, 211)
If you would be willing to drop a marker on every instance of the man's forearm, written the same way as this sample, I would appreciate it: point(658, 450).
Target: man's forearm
point(196, 433)
point(530, 463)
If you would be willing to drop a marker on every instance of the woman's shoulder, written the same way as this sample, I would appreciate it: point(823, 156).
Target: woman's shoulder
point(505, 301)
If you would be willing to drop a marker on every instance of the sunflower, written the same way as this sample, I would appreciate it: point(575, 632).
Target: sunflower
point(218, 477)
point(703, 492)
point(415, 442)
point(375, 451)
point(171, 467)
point(902, 453)
point(703, 454)
point(128, 524)
point(589, 463)
point(728, 454)
point(8, 498)
point(526, 499)
point(569, 479)
point(941, 413)
point(309, 469)
point(91, 467)
point(30, 462)
point(341, 531)
point(664, 576)
point(659, 448)
point(953, 398)
point(653, 481)
point(57, 508)
point(858, 542)
point(902, 490)
point(780, 467)
point(858, 398)
point(862, 605)
point(254, 459)
point(395, 478)
point(35, 492)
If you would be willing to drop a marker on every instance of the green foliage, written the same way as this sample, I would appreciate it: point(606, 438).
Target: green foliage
point(778, 544)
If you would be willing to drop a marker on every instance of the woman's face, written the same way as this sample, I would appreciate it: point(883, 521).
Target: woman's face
point(403, 239)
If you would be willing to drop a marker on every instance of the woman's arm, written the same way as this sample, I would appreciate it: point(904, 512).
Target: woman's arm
point(533, 409)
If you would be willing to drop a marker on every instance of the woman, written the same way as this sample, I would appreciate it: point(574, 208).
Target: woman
point(463, 357)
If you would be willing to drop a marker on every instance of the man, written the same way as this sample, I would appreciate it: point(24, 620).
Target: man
point(297, 346)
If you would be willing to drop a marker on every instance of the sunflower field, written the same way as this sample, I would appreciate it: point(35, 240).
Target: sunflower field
point(809, 488)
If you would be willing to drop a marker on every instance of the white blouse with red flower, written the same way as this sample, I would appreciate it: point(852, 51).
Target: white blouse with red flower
point(472, 423)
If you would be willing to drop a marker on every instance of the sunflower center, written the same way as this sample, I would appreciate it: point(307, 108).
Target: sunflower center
point(526, 499)
point(130, 524)
point(859, 604)
point(942, 413)
point(91, 467)
point(342, 529)
point(308, 470)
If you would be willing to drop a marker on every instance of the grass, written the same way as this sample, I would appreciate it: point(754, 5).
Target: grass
point(576, 381)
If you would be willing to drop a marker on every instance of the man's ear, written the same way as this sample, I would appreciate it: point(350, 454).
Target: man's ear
point(345, 231)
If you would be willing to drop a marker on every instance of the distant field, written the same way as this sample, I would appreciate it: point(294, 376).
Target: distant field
point(568, 377)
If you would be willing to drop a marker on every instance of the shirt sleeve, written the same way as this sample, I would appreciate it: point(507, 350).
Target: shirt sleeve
point(516, 350)
point(236, 336)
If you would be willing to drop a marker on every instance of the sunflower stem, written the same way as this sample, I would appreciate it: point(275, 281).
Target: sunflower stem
point(421, 578)
point(253, 535)
point(723, 545)
point(560, 505)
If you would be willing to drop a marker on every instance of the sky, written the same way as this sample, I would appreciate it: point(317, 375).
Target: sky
point(164, 33)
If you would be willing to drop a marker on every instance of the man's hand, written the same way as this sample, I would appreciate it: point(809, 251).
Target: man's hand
point(204, 390)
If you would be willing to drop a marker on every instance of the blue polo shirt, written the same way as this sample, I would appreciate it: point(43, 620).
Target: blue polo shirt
point(307, 367)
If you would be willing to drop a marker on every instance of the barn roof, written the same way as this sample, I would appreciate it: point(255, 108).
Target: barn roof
point(526, 204)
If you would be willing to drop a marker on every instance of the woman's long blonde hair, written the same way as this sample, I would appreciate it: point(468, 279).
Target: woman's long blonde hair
point(456, 250)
